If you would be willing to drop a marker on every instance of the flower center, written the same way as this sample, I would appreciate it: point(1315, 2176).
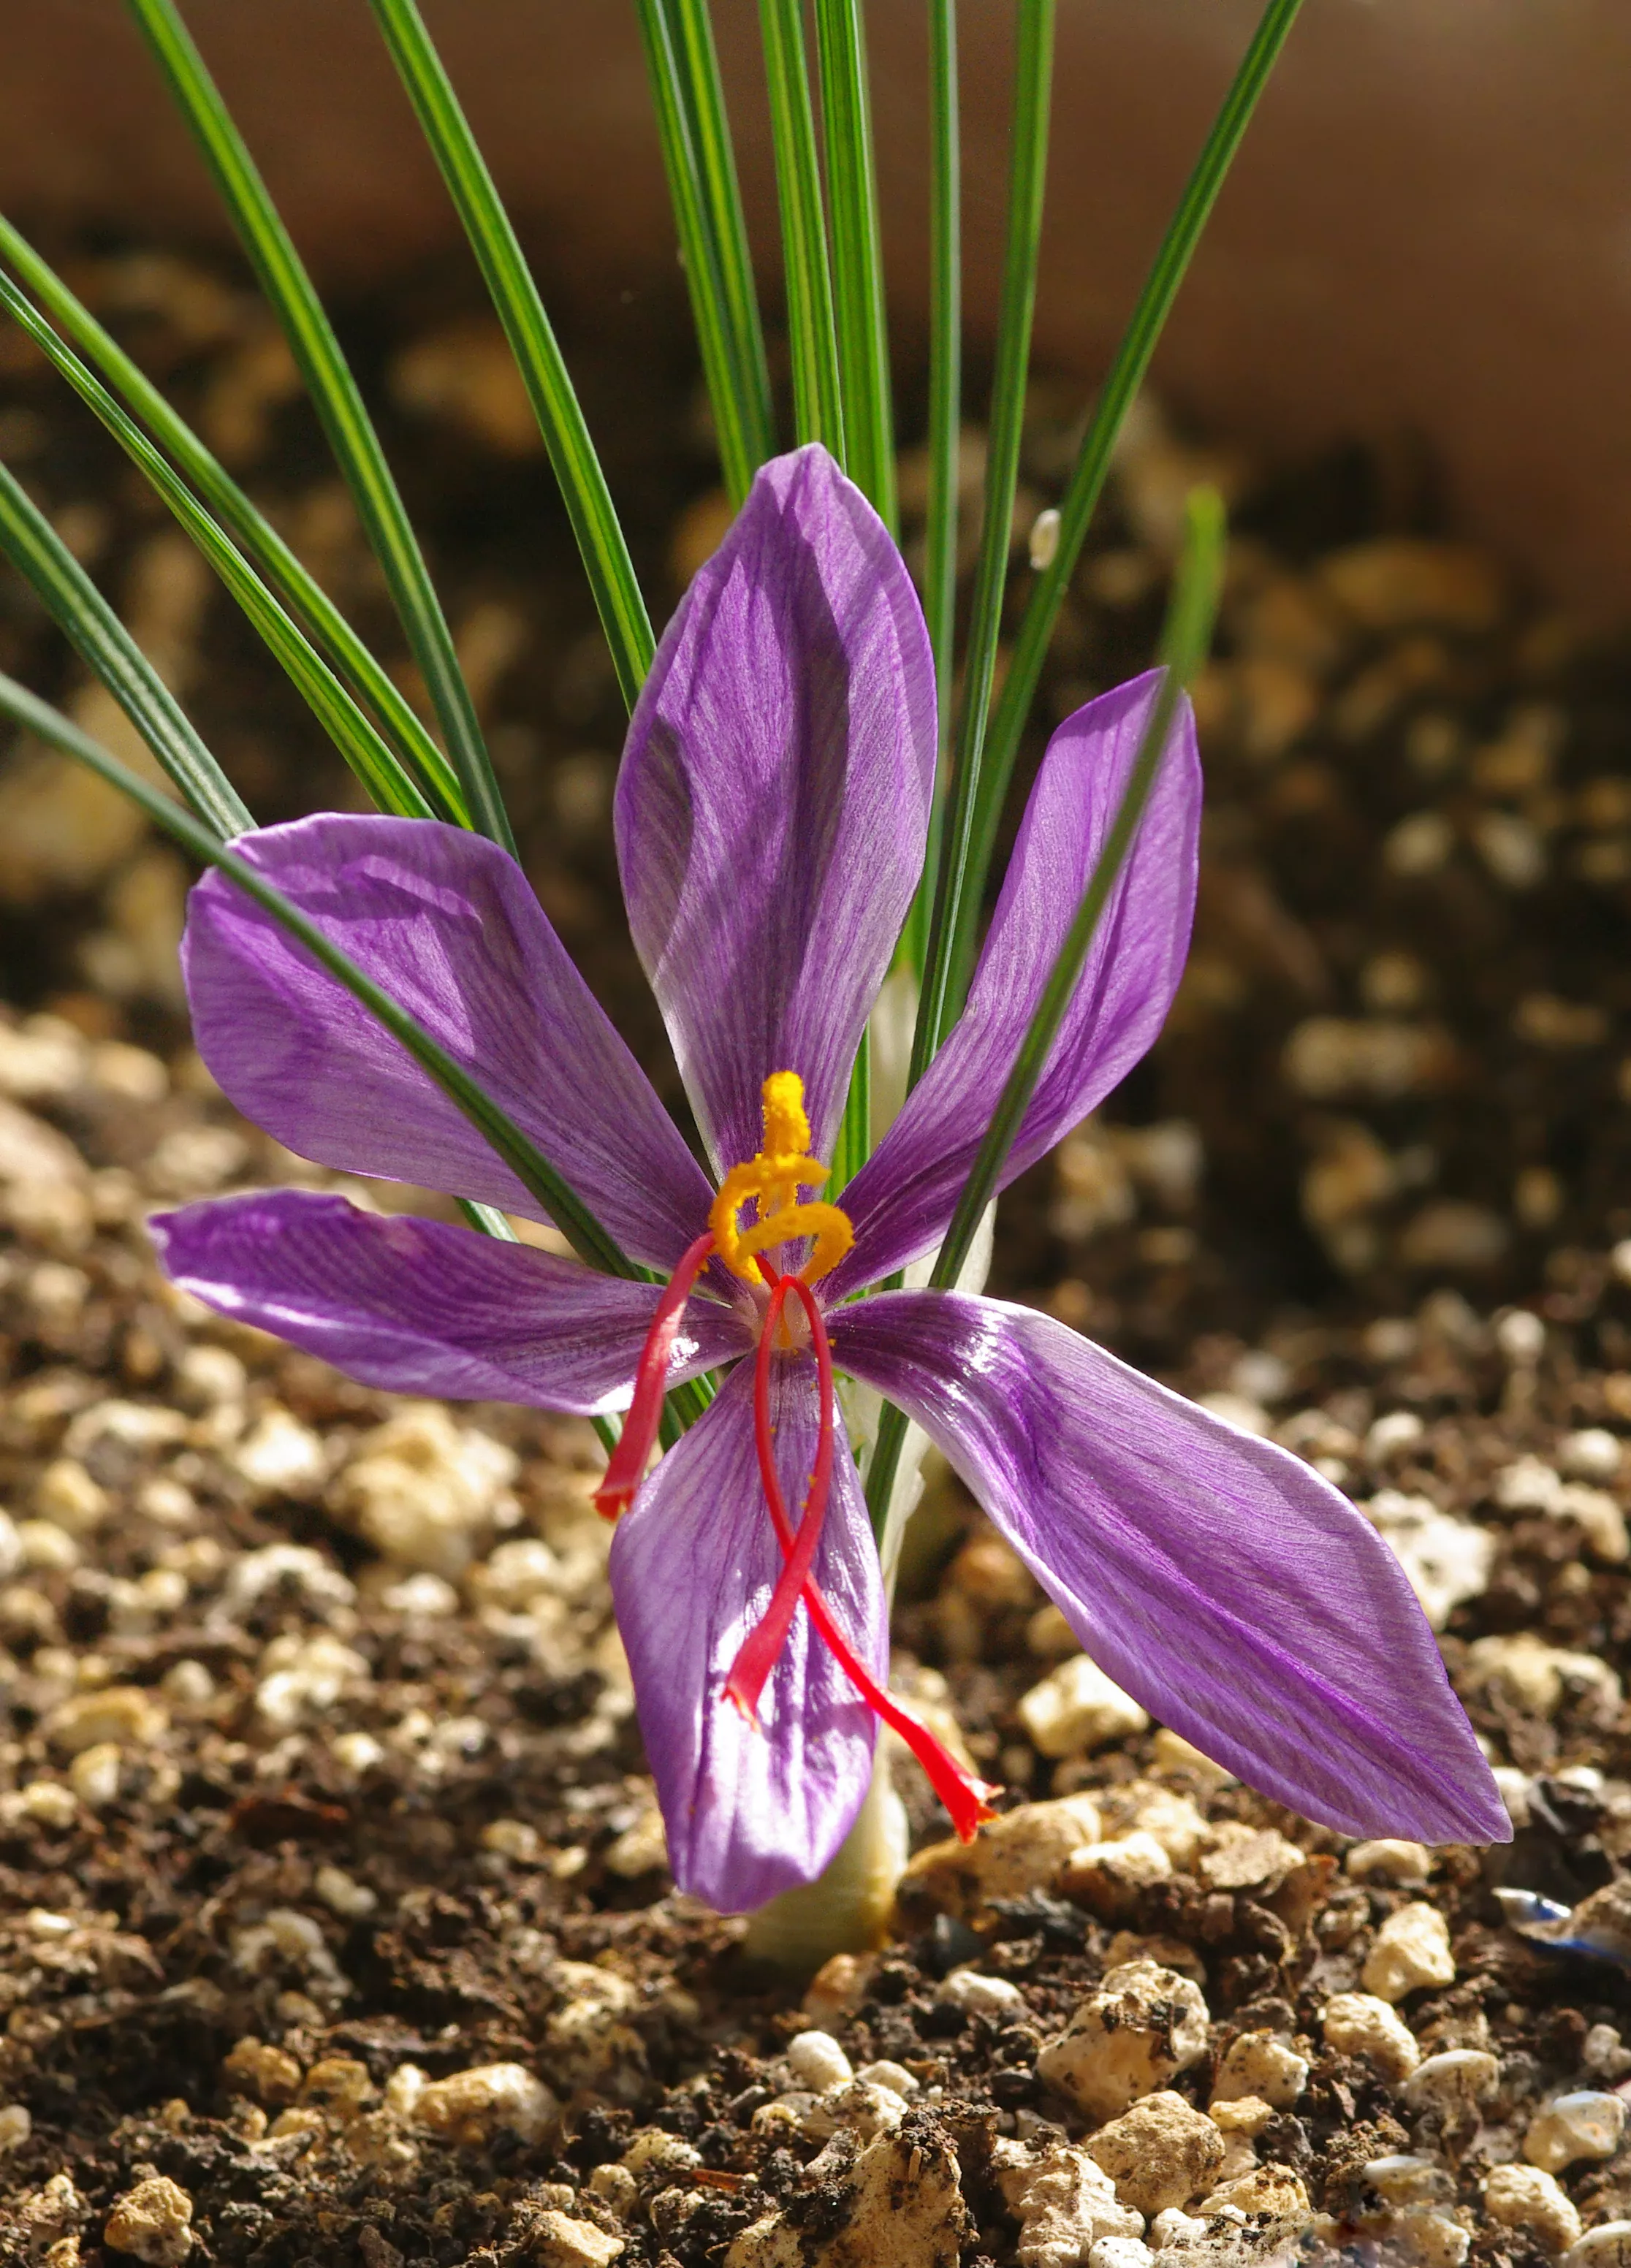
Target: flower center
point(771, 1181)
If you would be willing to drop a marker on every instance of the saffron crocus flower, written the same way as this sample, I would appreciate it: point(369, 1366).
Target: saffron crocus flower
point(771, 814)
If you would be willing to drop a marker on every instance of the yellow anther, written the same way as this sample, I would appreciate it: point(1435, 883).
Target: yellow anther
point(787, 1129)
point(773, 1180)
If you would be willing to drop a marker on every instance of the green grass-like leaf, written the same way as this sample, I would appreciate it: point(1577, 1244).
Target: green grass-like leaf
point(1185, 641)
point(690, 31)
point(1087, 480)
point(857, 243)
point(299, 590)
point(812, 340)
point(532, 340)
point(339, 401)
point(40, 556)
point(390, 785)
point(740, 412)
point(940, 565)
point(957, 907)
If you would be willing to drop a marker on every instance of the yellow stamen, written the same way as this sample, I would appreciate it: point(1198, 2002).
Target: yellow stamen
point(774, 1178)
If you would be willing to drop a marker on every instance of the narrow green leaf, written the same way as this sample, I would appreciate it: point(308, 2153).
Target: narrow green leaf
point(338, 402)
point(729, 386)
point(957, 907)
point(205, 843)
point(857, 254)
point(939, 570)
point(1184, 642)
point(1125, 376)
point(532, 341)
point(854, 1145)
point(40, 556)
point(817, 402)
point(392, 788)
point(691, 30)
point(300, 591)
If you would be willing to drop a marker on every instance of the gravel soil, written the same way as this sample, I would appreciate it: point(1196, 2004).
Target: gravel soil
point(334, 1925)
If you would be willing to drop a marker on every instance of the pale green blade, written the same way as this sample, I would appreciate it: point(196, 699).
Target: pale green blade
point(392, 788)
point(41, 556)
point(1185, 641)
point(857, 254)
point(339, 401)
point(532, 341)
point(300, 591)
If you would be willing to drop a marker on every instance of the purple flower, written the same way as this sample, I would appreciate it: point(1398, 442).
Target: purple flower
point(772, 814)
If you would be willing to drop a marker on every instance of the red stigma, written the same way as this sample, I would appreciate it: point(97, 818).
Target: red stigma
point(964, 1797)
point(626, 1468)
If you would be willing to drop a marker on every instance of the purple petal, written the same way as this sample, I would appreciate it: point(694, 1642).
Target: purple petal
point(445, 922)
point(773, 802)
point(1223, 1584)
point(749, 1813)
point(418, 1307)
point(903, 1197)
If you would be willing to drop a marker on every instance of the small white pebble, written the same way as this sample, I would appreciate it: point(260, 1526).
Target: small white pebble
point(357, 1753)
point(188, 1683)
point(1524, 2198)
point(1419, 845)
point(1412, 1949)
point(1571, 2127)
point(1389, 1861)
point(895, 2077)
point(1608, 2245)
point(1173, 2225)
point(818, 2062)
point(1395, 1430)
point(980, 1995)
point(1119, 2252)
point(1457, 2075)
point(16, 2126)
point(1403, 2179)
point(1592, 1454)
point(49, 1804)
point(93, 1775)
point(1605, 2053)
point(1514, 1788)
point(1521, 1336)
point(1363, 2024)
point(403, 2089)
point(342, 1895)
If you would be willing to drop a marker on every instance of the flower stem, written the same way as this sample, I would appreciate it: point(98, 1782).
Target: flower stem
point(846, 1909)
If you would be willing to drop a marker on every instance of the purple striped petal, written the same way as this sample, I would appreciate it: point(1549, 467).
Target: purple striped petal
point(749, 1813)
point(773, 803)
point(903, 1197)
point(1223, 1584)
point(418, 1307)
point(446, 923)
